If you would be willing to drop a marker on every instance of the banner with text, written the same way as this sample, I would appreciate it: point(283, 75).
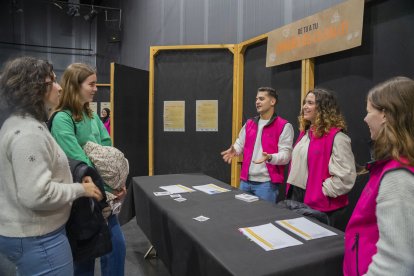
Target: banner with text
point(332, 30)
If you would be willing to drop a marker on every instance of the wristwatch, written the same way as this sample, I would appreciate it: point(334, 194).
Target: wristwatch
point(269, 158)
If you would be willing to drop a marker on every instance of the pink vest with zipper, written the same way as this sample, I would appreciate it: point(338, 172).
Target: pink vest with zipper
point(270, 141)
point(362, 234)
point(319, 155)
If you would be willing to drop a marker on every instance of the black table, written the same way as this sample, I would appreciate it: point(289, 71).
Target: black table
point(216, 247)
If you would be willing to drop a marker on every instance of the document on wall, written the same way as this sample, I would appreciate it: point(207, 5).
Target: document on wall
point(211, 189)
point(177, 189)
point(269, 237)
point(174, 116)
point(305, 228)
point(207, 115)
point(94, 107)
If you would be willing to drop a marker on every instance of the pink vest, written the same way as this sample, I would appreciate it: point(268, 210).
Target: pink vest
point(107, 125)
point(319, 154)
point(362, 234)
point(270, 141)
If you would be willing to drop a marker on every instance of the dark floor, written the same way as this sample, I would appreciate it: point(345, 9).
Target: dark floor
point(136, 247)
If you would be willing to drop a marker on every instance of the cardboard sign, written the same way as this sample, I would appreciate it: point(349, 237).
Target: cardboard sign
point(332, 30)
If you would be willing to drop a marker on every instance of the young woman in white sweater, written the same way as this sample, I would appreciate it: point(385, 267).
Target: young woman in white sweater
point(36, 188)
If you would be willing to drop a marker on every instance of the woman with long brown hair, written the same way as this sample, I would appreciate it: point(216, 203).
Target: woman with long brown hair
point(379, 238)
point(74, 125)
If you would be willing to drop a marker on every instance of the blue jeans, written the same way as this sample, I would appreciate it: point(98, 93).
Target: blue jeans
point(113, 263)
point(49, 254)
point(265, 190)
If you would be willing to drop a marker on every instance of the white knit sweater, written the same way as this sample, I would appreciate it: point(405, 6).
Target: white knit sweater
point(36, 188)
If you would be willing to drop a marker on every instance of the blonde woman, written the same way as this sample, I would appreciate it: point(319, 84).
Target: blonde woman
point(73, 126)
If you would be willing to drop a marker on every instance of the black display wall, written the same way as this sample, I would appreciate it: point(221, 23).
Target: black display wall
point(131, 117)
point(286, 79)
point(190, 75)
point(386, 51)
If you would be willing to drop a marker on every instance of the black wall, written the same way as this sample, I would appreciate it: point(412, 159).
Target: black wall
point(131, 117)
point(190, 75)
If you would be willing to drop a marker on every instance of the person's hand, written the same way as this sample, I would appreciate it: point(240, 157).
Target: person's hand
point(264, 158)
point(106, 212)
point(121, 193)
point(90, 188)
point(228, 154)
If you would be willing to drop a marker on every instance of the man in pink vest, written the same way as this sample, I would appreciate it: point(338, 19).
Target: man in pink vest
point(266, 144)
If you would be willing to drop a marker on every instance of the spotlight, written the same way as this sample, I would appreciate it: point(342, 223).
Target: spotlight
point(91, 15)
point(73, 8)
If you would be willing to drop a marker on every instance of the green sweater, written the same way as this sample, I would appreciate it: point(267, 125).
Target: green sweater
point(86, 130)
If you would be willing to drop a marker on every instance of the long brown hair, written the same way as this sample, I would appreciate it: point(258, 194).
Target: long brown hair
point(23, 87)
point(328, 114)
point(395, 97)
point(72, 79)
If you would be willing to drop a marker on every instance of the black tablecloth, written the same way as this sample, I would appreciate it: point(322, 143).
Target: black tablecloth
point(216, 247)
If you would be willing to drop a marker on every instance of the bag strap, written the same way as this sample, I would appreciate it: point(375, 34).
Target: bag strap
point(50, 121)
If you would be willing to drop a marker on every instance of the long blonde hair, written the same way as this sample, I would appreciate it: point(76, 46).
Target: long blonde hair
point(395, 97)
point(328, 114)
point(72, 79)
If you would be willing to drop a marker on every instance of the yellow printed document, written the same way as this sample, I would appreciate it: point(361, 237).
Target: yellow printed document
point(177, 189)
point(305, 228)
point(211, 189)
point(269, 237)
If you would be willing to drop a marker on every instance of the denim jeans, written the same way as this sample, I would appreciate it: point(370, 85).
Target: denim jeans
point(265, 190)
point(49, 254)
point(113, 263)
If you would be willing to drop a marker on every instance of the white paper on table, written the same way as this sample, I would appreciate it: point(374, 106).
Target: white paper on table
point(211, 189)
point(305, 228)
point(177, 189)
point(269, 237)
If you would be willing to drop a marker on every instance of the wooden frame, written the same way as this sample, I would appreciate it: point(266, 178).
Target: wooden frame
point(111, 98)
point(153, 52)
point(238, 50)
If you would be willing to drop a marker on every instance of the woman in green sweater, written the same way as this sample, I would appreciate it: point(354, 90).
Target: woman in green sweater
point(73, 126)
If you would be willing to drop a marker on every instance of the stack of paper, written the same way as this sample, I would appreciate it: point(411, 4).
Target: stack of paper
point(247, 197)
point(211, 189)
point(177, 189)
point(269, 237)
point(305, 228)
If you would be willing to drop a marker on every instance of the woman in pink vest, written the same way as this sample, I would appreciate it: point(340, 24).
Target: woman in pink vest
point(322, 169)
point(379, 238)
point(106, 119)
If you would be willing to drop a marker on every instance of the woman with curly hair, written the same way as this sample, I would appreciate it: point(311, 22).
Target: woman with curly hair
point(379, 237)
point(36, 190)
point(322, 169)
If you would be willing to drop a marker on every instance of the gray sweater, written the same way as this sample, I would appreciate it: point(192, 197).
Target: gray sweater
point(395, 215)
point(36, 188)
